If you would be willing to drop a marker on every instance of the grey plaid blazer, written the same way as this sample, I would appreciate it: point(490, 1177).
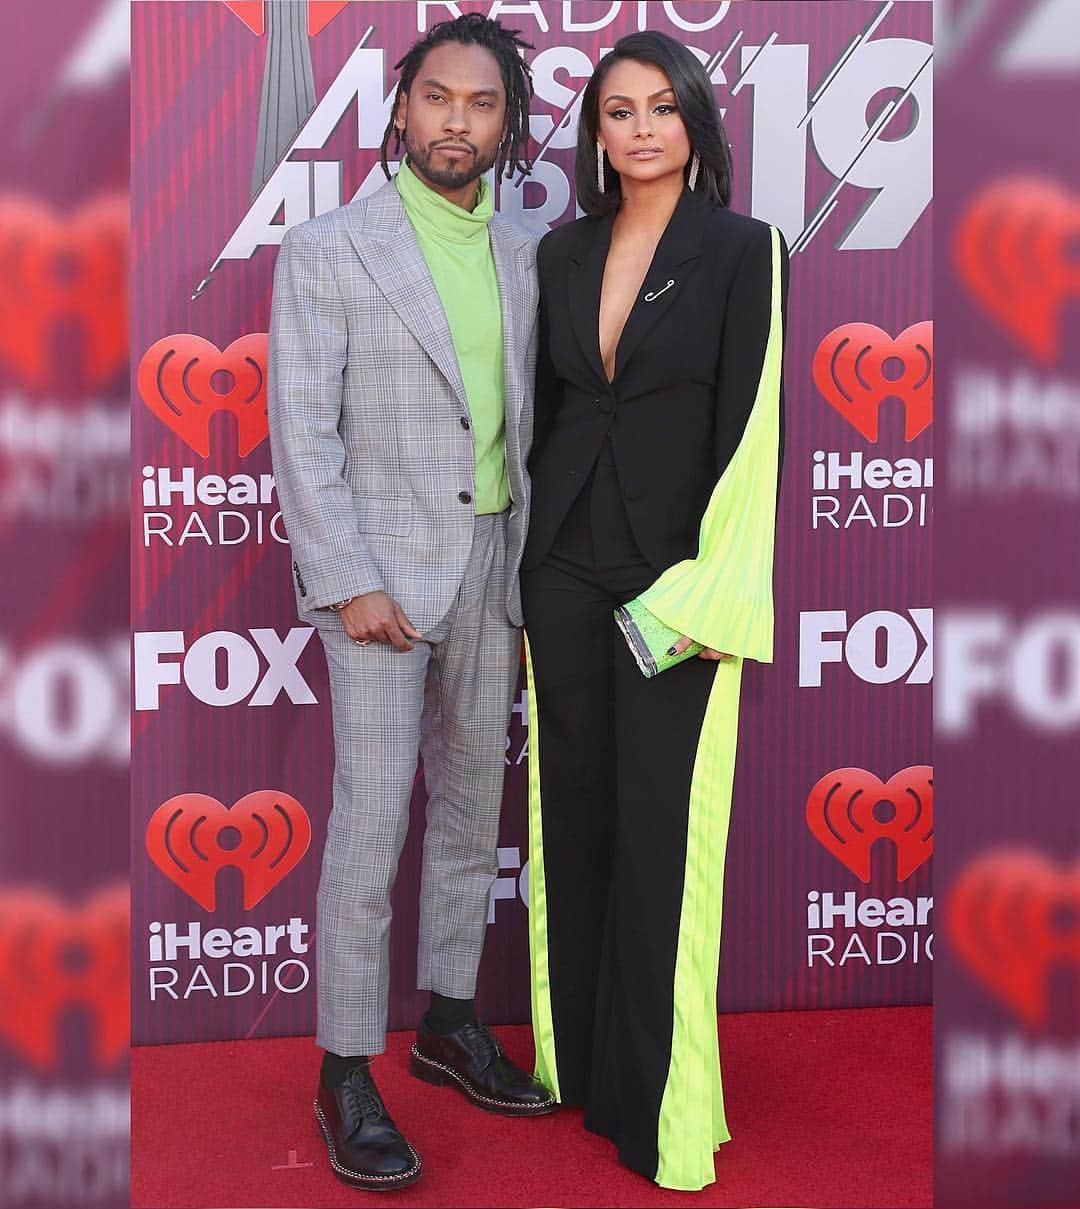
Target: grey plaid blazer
point(369, 422)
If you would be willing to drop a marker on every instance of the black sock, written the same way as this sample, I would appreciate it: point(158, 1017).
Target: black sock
point(446, 1015)
point(335, 1068)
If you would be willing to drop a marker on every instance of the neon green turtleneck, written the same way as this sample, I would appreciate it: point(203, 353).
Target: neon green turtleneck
point(458, 253)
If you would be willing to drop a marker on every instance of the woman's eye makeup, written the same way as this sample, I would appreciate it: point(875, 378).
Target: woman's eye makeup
point(662, 109)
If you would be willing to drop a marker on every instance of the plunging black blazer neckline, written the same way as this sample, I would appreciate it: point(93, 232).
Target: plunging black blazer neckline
point(681, 241)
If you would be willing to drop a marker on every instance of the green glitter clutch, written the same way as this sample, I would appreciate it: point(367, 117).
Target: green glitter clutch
point(650, 639)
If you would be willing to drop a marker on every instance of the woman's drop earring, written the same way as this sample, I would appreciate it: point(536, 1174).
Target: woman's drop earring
point(695, 164)
point(600, 169)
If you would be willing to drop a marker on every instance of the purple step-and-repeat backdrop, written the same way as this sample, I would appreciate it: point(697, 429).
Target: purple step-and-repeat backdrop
point(828, 108)
point(1007, 703)
point(63, 612)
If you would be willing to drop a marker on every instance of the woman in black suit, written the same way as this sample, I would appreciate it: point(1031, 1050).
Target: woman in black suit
point(655, 468)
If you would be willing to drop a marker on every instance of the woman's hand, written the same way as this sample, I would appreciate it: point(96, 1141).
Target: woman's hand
point(705, 652)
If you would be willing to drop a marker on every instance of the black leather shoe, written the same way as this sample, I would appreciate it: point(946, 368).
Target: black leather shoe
point(367, 1150)
point(473, 1061)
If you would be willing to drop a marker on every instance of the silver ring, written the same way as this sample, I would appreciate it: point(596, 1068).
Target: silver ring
point(362, 641)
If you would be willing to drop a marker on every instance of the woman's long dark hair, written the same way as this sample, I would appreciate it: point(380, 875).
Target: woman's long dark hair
point(697, 107)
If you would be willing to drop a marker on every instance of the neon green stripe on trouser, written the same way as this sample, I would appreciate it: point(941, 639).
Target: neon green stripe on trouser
point(692, 1122)
point(543, 1028)
point(724, 599)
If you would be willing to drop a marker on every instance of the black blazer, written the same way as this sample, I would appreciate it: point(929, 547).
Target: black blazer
point(686, 372)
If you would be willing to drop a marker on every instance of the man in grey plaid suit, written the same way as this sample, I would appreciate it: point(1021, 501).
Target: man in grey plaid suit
point(403, 345)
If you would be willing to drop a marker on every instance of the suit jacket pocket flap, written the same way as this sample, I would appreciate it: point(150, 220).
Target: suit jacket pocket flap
point(384, 514)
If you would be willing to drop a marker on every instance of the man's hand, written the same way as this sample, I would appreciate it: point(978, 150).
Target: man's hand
point(374, 617)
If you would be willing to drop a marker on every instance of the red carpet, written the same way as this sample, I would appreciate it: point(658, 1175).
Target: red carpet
point(827, 1110)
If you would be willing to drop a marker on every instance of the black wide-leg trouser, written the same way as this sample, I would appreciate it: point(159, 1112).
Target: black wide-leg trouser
point(616, 760)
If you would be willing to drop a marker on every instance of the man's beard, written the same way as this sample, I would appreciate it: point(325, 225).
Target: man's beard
point(451, 177)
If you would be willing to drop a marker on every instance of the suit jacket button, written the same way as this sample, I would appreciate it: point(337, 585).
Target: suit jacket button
point(465, 497)
point(465, 422)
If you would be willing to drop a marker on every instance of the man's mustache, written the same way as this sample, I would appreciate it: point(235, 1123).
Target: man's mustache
point(464, 143)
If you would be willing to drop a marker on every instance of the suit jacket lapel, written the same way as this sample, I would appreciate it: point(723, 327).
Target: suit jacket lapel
point(509, 248)
point(680, 243)
point(387, 245)
point(586, 274)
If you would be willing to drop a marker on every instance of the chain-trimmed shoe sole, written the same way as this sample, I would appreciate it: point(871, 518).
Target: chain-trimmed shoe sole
point(439, 1074)
point(370, 1183)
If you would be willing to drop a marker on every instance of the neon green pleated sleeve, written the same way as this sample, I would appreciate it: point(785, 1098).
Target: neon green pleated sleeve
point(723, 598)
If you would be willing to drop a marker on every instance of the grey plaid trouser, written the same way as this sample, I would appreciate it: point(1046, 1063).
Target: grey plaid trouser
point(449, 697)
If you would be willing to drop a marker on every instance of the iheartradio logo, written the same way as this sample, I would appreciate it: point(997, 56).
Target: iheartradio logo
point(193, 836)
point(59, 274)
point(849, 370)
point(850, 809)
point(1013, 917)
point(1015, 252)
point(55, 958)
point(186, 381)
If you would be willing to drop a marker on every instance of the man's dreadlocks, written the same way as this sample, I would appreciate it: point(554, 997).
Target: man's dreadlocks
point(506, 45)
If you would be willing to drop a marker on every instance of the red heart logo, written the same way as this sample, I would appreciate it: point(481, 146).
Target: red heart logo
point(1012, 250)
point(322, 12)
point(60, 276)
point(253, 13)
point(840, 812)
point(176, 380)
point(1012, 916)
point(40, 982)
point(184, 840)
point(849, 371)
